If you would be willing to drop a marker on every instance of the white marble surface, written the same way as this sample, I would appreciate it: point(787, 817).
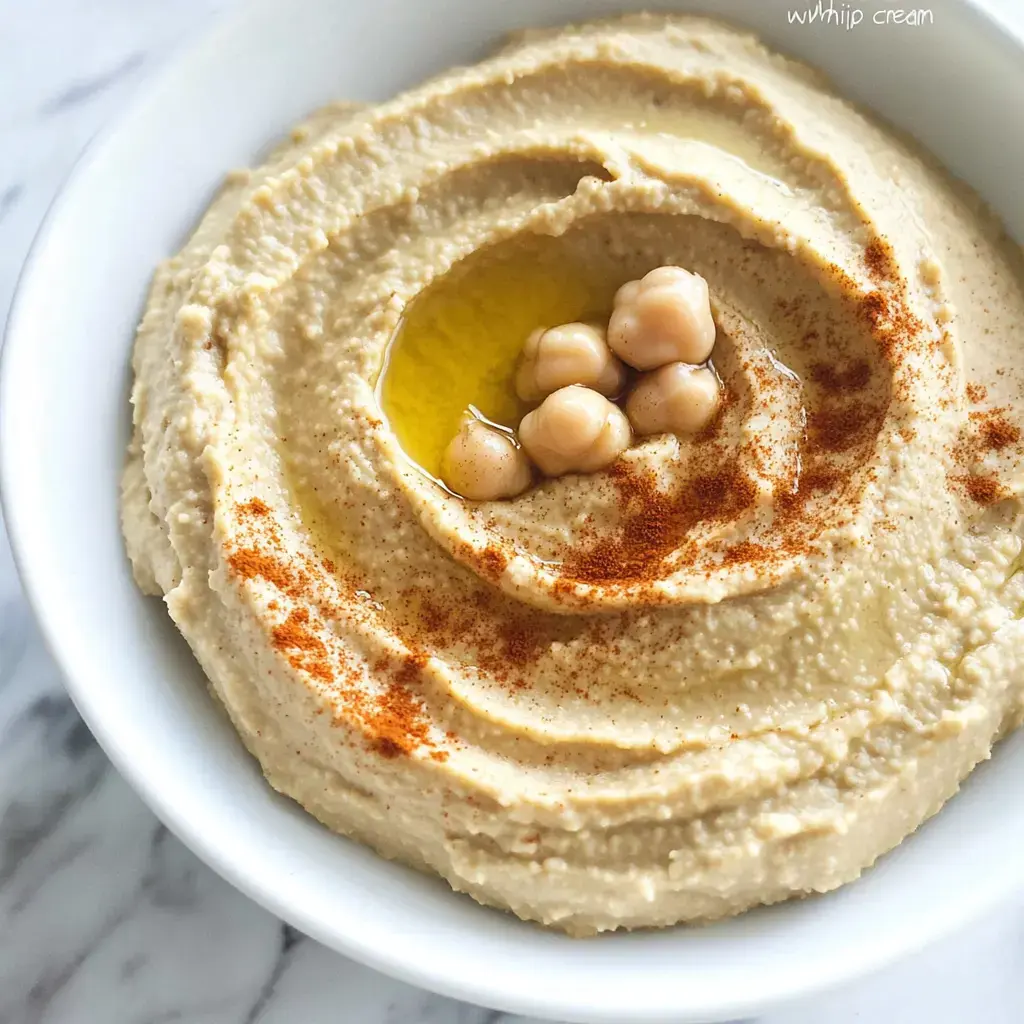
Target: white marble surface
point(104, 917)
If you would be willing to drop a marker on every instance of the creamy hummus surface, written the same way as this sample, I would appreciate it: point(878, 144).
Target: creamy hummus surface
point(731, 668)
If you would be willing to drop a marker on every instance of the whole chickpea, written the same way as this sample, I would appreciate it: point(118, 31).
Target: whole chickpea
point(574, 430)
point(575, 353)
point(676, 399)
point(665, 317)
point(484, 464)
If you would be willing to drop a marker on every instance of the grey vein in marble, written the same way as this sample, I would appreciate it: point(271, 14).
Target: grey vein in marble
point(81, 91)
point(8, 198)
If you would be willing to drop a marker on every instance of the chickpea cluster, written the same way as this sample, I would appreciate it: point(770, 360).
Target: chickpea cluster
point(661, 325)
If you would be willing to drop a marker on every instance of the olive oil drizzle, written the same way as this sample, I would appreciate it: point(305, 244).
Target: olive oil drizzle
point(456, 349)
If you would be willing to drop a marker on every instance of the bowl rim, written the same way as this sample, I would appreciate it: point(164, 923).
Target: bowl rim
point(736, 1004)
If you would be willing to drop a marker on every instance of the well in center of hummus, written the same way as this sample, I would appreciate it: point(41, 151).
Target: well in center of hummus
point(735, 665)
point(521, 329)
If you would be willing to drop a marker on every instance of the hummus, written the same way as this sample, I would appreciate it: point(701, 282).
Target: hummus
point(731, 668)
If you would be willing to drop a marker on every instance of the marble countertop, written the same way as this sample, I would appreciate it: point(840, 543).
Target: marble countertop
point(105, 918)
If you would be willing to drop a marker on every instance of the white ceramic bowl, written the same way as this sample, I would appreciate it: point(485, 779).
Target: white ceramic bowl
point(131, 201)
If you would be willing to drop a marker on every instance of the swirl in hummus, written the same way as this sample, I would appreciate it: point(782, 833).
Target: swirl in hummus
point(730, 669)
